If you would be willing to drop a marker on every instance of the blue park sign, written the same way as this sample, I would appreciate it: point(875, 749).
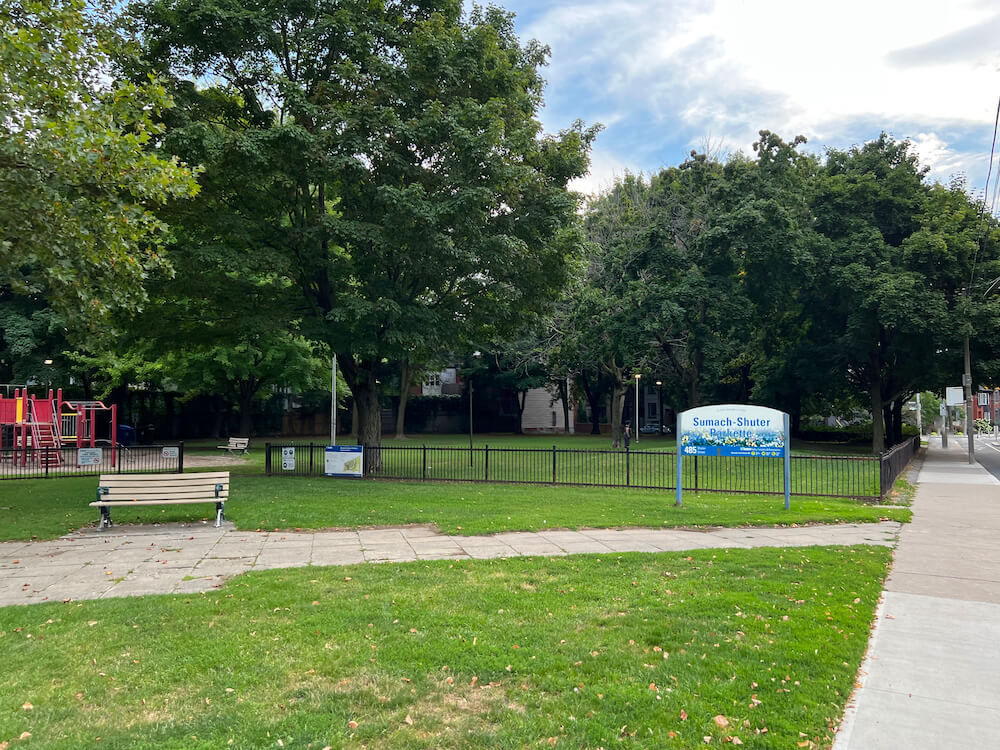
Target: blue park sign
point(733, 430)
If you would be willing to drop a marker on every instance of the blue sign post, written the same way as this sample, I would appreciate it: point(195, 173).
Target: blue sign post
point(733, 430)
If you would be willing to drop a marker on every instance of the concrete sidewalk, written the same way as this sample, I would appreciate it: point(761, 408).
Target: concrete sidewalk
point(932, 675)
point(134, 560)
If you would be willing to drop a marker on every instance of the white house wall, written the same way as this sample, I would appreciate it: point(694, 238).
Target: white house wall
point(539, 407)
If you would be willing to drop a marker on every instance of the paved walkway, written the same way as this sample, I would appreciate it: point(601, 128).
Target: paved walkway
point(932, 676)
point(135, 560)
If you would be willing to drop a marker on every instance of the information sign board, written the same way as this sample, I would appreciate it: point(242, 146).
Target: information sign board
point(344, 461)
point(954, 395)
point(89, 456)
point(288, 459)
point(738, 430)
point(170, 452)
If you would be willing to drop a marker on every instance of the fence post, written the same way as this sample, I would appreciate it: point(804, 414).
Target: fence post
point(486, 462)
point(267, 459)
point(180, 457)
point(425, 462)
point(881, 475)
point(45, 460)
point(628, 466)
point(553, 464)
point(696, 473)
point(310, 459)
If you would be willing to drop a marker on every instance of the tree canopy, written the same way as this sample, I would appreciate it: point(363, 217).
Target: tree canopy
point(385, 157)
point(80, 183)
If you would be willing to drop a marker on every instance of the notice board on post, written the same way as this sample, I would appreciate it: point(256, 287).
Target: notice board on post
point(738, 430)
point(344, 461)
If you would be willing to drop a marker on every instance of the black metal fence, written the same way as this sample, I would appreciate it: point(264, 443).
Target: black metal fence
point(50, 463)
point(825, 476)
point(894, 462)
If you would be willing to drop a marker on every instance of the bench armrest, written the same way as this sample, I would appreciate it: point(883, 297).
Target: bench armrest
point(102, 491)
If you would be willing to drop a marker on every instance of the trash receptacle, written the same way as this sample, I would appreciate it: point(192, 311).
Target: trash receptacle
point(126, 435)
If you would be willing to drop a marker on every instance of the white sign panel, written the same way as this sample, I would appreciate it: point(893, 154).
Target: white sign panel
point(954, 395)
point(288, 459)
point(344, 461)
point(89, 456)
point(732, 430)
point(170, 452)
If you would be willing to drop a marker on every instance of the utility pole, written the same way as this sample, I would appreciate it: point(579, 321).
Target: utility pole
point(333, 400)
point(969, 421)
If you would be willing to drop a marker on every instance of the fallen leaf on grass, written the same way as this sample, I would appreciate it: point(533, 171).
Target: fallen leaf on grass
point(684, 715)
point(721, 721)
point(408, 720)
point(27, 707)
point(352, 724)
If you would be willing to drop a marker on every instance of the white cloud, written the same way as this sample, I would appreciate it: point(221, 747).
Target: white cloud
point(605, 169)
point(731, 67)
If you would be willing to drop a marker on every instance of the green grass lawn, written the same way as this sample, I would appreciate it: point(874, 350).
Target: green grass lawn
point(48, 508)
point(637, 650)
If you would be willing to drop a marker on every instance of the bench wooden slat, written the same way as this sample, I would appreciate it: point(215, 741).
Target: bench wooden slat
point(124, 503)
point(163, 489)
point(178, 494)
point(106, 478)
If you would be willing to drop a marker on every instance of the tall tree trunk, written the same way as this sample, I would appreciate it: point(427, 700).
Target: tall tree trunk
point(594, 401)
point(360, 376)
point(246, 417)
point(897, 421)
point(617, 409)
point(878, 427)
point(405, 373)
point(564, 395)
point(522, 397)
point(694, 394)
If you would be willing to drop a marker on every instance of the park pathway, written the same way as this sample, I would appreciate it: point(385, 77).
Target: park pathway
point(930, 680)
point(139, 560)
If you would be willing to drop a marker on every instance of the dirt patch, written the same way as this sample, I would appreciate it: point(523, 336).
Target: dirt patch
point(201, 462)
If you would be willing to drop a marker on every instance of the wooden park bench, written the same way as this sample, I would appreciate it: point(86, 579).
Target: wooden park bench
point(115, 490)
point(236, 445)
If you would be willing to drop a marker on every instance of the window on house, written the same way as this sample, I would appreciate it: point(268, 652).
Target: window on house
point(651, 411)
point(553, 419)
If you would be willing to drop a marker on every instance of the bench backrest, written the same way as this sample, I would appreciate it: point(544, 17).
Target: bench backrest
point(236, 442)
point(193, 486)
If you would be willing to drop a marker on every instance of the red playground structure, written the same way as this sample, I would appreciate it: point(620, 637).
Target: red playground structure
point(37, 430)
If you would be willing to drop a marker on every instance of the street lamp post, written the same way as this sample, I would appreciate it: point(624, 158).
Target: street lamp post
point(635, 432)
point(659, 401)
point(475, 355)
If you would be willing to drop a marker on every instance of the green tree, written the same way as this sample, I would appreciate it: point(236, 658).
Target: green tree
point(76, 172)
point(895, 288)
point(385, 157)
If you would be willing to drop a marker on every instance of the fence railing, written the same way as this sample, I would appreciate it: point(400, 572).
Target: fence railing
point(824, 476)
point(894, 461)
point(50, 463)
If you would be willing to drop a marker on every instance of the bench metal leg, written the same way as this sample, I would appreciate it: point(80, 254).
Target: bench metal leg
point(220, 515)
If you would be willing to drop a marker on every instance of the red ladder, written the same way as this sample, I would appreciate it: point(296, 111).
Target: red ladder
point(46, 444)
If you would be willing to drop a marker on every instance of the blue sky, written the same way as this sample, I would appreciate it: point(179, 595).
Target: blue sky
point(668, 76)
